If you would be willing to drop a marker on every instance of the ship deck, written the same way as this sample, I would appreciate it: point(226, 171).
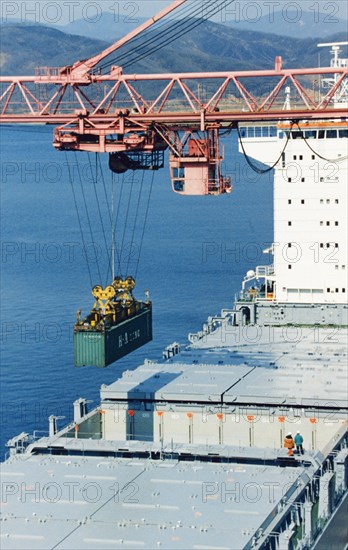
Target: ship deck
point(93, 489)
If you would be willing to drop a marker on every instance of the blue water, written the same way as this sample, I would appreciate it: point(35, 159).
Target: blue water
point(195, 253)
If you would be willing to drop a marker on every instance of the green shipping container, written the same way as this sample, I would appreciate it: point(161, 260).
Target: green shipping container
point(100, 349)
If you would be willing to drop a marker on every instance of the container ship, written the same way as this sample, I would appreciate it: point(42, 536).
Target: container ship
point(192, 450)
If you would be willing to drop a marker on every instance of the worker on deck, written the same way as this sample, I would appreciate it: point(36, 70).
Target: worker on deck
point(299, 443)
point(289, 444)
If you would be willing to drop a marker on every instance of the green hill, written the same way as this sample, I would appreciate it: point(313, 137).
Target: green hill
point(210, 47)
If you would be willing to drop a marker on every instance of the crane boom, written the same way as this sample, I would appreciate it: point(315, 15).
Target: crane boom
point(116, 113)
point(228, 97)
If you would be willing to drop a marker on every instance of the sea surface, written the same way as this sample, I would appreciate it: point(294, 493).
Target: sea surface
point(195, 252)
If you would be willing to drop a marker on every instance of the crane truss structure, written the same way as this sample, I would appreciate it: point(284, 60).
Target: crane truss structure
point(113, 102)
point(141, 115)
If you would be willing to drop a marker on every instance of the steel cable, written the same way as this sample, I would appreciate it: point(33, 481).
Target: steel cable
point(127, 215)
point(95, 181)
point(79, 219)
point(136, 216)
point(144, 225)
point(152, 35)
point(109, 211)
point(88, 219)
point(185, 10)
point(252, 165)
point(170, 35)
point(119, 257)
point(315, 152)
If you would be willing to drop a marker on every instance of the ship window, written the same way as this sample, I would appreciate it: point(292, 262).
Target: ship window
point(289, 266)
point(289, 245)
point(321, 201)
point(321, 180)
point(289, 201)
point(310, 134)
point(303, 180)
point(328, 290)
point(179, 173)
point(343, 290)
point(321, 134)
point(295, 157)
point(178, 185)
point(327, 201)
point(289, 223)
point(327, 245)
point(301, 157)
point(273, 131)
point(242, 132)
point(336, 224)
point(251, 131)
point(289, 180)
point(313, 157)
point(327, 223)
point(336, 245)
point(336, 201)
point(258, 131)
point(337, 290)
point(331, 134)
point(297, 135)
point(343, 267)
point(281, 135)
point(336, 266)
point(302, 201)
point(321, 223)
point(321, 245)
point(343, 133)
point(265, 131)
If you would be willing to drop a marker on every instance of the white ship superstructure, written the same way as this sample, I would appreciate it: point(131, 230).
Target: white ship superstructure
point(310, 218)
point(310, 162)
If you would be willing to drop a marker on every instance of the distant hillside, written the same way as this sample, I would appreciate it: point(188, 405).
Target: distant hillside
point(109, 26)
point(25, 47)
point(295, 23)
point(211, 47)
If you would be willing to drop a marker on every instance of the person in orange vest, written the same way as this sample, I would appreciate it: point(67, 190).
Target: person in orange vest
point(289, 444)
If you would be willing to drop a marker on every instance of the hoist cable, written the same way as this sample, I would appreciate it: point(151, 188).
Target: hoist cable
point(97, 157)
point(144, 225)
point(136, 217)
point(150, 36)
point(95, 180)
point(170, 35)
point(119, 253)
point(251, 164)
point(315, 152)
point(127, 214)
point(79, 219)
point(184, 11)
point(109, 211)
point(88, 218)
point(169, 39)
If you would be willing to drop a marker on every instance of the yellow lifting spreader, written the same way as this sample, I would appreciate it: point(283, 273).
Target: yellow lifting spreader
point(113, 304)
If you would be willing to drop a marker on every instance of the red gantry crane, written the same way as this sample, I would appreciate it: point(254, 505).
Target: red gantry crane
point(112, 112)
